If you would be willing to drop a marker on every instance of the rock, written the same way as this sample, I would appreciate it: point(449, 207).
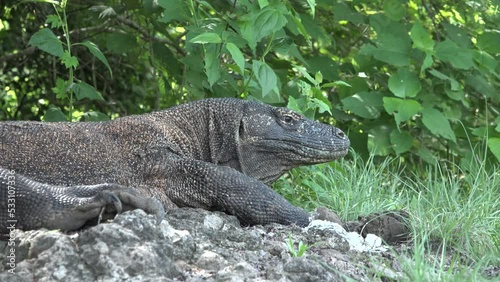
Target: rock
point(196, 245)
point(391, 226)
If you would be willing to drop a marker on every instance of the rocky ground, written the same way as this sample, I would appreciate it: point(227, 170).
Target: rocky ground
point(196, 245)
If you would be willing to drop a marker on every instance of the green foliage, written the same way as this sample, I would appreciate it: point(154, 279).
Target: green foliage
point(403, 78)
point(454, 220)
point(47, 41)
point(296, 252)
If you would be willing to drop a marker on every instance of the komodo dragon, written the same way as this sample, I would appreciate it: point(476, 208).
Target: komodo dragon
point(215, 154)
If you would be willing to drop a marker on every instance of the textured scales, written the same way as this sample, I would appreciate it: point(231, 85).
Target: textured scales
point(215, 154)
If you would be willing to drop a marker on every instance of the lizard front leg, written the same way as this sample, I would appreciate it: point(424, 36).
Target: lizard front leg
point(199, 184)
point(27, 204)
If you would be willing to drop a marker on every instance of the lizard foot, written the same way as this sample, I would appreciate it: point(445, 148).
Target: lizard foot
point(113, 199)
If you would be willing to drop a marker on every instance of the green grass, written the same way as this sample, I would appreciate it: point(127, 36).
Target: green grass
point(455, 214)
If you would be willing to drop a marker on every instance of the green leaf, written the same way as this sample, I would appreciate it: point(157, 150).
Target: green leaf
point(421, 38)
point(489, 42)
point(481, 85)
point(321, 105)
point(342, 12)
point(401, 141)
point(404, 84)
point(54, 21)
point(95, 116)
point(485, 61)
point(403, 110)
point(208, 37)
point(494, 145)
point(394, 9)
point(335, 84)
point(282, 44)
point(312, 5)
point(47, 41)
point(379, 141)
point(265, 76)
point(426, 155)
point(174, 10)
point(237, 56)
point(454, 85)
point(83, 90)
point(60, 89)
point(318, 78)
point(269, 20)
point(437, 123)
point(212, 64)
point(458, 35)
point(293, 105)
point(297, 27)
point(166, 60)
point(94, 50)
point(364, 104)
point(457, 56)
point(121, 43)
point(69, 61)
point(54, 114)
point(427, 63)
point(391, 49)
point(263, 3)
point(328, 67)
point(305, 74)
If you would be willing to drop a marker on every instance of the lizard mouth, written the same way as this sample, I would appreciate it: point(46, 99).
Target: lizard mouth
point(308, 152)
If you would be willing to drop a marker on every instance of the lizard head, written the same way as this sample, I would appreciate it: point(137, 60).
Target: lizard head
point(273, 140)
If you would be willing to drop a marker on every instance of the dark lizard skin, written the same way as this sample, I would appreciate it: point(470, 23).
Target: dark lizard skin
point(215, 154)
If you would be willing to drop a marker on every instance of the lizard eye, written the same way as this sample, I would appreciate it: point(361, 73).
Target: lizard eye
point(287, 119)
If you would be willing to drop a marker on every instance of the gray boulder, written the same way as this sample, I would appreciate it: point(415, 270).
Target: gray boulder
point(195, 245)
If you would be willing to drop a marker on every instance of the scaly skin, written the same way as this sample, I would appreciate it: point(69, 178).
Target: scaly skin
point(216, 154)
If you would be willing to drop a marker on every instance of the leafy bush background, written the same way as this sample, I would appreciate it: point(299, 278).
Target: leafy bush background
point(415, 79)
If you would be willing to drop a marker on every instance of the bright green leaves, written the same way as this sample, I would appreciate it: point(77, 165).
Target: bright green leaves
point(60, 89)
point(404, 84)
point(403, 110)
point(54, 21)
point(457, 56)
point(437, 123)
point(66, 90)
point(47, 41)
point(68, 60)
point(265, 76)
